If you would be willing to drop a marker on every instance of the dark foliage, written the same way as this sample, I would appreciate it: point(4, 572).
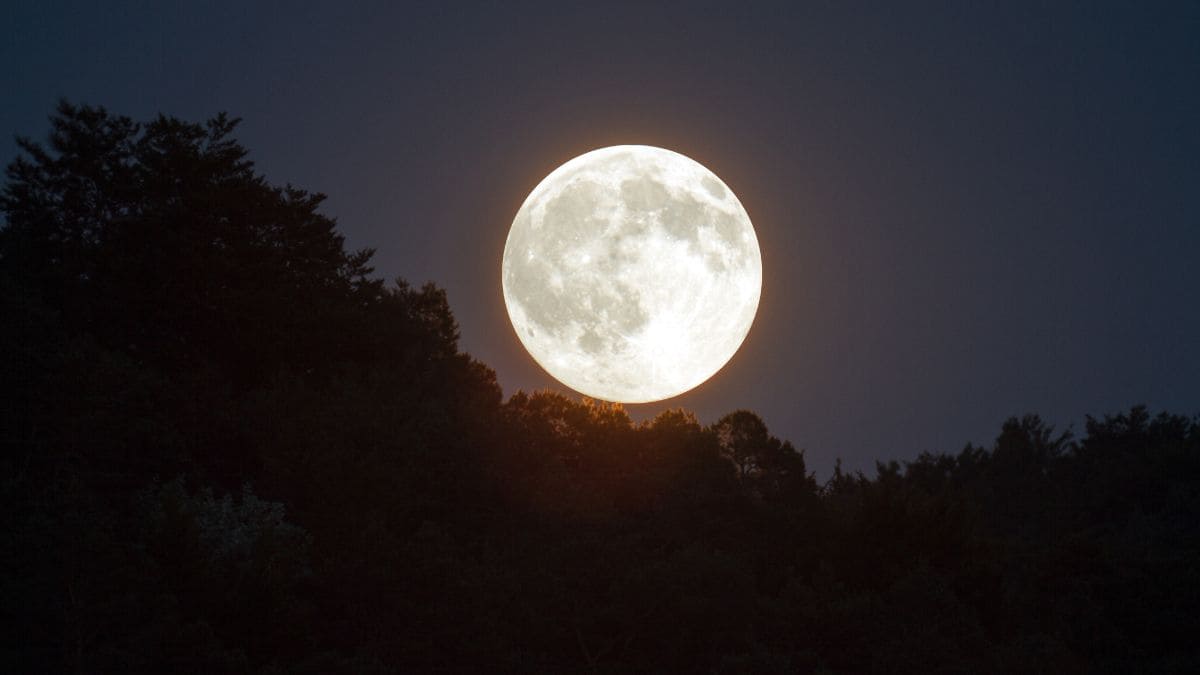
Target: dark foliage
point(227, 448)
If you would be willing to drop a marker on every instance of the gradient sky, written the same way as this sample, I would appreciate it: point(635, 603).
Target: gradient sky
point(967, 210)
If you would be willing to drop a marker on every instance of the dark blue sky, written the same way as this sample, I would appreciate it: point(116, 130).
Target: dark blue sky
point(967, 210)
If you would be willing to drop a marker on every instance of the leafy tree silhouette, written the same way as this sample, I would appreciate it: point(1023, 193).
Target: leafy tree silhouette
point(160, 241)
point(763, 462)
point(225, 447)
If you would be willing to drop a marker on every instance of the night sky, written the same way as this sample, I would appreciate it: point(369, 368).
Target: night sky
point(967, 210)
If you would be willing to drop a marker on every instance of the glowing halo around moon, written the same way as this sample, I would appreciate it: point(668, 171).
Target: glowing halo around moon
point(632, 273)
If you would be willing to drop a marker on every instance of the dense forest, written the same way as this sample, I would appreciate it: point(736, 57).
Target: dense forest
point(228, 447)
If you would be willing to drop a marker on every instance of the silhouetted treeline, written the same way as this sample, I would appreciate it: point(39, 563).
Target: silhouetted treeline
point(228, 448)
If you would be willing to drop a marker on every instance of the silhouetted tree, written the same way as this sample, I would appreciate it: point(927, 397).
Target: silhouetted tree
point(762, 461)
point(175, 329)
point(160, 241)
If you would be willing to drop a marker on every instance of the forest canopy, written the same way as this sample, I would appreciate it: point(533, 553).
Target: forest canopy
point(229, 447)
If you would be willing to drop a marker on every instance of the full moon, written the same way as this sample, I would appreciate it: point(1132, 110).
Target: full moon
point(632, 273)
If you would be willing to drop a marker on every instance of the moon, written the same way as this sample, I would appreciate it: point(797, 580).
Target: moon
point(632, 274)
